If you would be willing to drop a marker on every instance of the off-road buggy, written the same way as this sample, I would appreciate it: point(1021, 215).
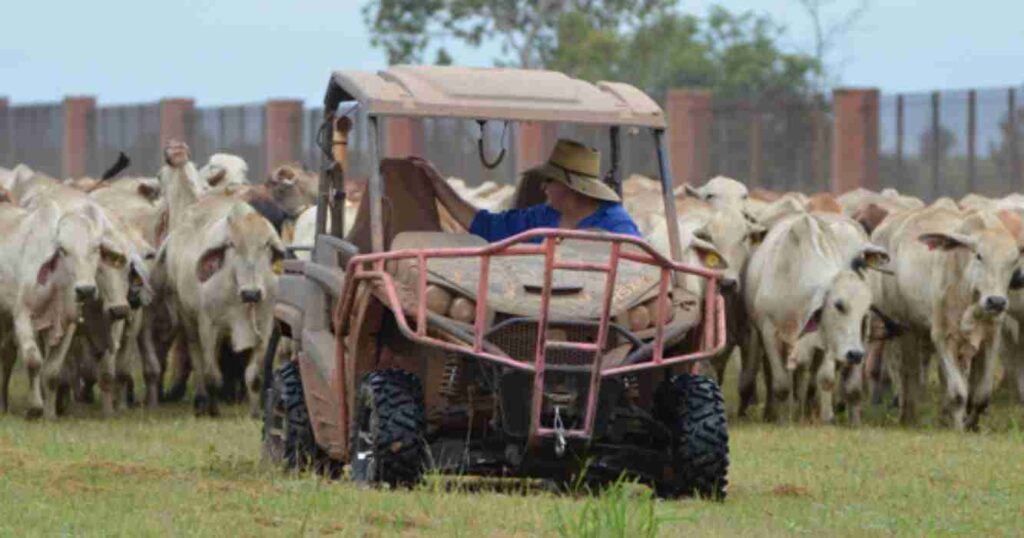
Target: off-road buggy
point(549, 354)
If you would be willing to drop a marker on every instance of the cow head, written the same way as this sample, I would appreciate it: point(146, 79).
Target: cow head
point(121, 275)
point(720, 192)
point(246, 247)
point(285, 189)
point(735, 238)
point(841, 317)
point(77, 250)
point(989, 258)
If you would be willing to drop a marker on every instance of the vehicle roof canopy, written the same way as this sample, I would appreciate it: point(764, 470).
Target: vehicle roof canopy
point(493, 94)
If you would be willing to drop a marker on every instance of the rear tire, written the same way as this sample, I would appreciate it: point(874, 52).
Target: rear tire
point(387, 429)
point(288, 438)
point(694, 410)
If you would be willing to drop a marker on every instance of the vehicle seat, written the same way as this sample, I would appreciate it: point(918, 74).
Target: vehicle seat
point(407, 205)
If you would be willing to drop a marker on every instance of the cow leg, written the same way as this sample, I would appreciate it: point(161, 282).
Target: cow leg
point(1012, 358)
point(982, 373)
point(33, 360)
point(53, 367)
point(874, 368)
point(825, 382)
point(8, 355)
point(721, 362)
point(127, 355)
point(776, 374)
point(108, 369)
point(182, 353)
point(150, 362)
point(954, 397)
point(853, 391)
point(207, 369)
point(750, 363)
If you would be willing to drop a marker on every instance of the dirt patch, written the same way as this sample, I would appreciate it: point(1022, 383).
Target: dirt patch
point(397, 521)
point(790, 490)
point(120, 469)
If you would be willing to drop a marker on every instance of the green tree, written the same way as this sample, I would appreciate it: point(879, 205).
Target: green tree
point(648, 43)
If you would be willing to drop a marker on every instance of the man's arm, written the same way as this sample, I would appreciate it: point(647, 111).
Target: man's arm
point(460, 209)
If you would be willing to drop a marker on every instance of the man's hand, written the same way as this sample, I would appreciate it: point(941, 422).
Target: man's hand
point(176, 153)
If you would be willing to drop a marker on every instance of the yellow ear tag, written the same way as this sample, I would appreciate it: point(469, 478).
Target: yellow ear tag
point(278, 267)
point(711, 260)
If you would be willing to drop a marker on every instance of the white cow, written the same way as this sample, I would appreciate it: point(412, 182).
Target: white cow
point(806, 294)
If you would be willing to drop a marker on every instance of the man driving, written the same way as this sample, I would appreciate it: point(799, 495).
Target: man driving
point(576, 199)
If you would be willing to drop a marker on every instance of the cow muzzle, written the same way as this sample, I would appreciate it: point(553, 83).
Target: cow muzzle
point(854, 356)
point(995, 304)
point(728, 286)
point(118, 312)
point(251, 295)
point(85, 292)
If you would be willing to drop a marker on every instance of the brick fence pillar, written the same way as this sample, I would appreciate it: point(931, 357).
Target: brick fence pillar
point(284, 131)
point(174, 120)
point(403, 137)
point(534, 142)
point(855, 139)
point(78, 130)
point(690, 115)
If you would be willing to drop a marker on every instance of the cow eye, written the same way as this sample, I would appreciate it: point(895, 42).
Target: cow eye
point(978, 257)
point(709, 196)
point(841, 307)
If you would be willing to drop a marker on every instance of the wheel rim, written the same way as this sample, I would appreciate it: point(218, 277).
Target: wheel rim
point(364, 461)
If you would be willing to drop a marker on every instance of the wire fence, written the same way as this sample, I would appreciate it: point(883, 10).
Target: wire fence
point(951, 143)
point(931, 144)
point(782, 145)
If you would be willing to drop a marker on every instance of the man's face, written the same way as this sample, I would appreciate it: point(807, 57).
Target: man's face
point(558, 195)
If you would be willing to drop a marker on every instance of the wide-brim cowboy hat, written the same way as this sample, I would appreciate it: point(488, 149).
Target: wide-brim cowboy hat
point(577, 167)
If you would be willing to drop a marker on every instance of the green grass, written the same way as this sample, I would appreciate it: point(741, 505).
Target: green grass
point(159, 473)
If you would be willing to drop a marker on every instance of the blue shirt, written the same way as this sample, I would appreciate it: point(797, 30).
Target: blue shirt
point(611, 217)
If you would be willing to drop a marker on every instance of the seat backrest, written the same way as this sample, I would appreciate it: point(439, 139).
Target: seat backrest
point(407, 204)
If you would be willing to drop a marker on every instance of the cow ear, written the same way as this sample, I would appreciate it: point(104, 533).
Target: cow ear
point(149, 192)
point(756, 234)
point(871, 257)
point(1017, 280)
point(690, 191)
point(812, 322)
point(946, 241)
point(210, 262)
point(709, 256)
point(48, 267)
point(217, 177)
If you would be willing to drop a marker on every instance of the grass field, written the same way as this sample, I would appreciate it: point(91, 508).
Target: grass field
point(162, 472)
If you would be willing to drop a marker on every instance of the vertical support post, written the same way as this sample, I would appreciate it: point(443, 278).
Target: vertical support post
point(819, 145)
point(174, 120)
point(402, 137)
point(935, 157)
point(78, 128)
point(756, 146)
point(902, 177)
point(855, 140)
point(668, 198)
point(689, 130)
point(376, 189)
point(283, 136)
point(5, 134)
point(1016, 174)
point(615, 171)
point(534, 141)
point(972, 133)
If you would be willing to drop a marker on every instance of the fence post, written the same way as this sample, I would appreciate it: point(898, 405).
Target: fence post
point(534, 141)
point(972, 134)
point(78, 129)
point(5, 135)
point(690, 117)
point(1016, 173)
point(174, 120)
point(283, 137)
point(855, 139)
point(936, 143)
point(403, 137)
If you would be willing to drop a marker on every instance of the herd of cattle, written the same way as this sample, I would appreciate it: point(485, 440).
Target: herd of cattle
point(102, 276)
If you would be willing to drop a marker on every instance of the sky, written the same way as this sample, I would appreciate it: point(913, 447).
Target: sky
point(242, 51)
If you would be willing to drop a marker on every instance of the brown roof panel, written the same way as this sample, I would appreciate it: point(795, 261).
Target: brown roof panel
point(493, 94)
